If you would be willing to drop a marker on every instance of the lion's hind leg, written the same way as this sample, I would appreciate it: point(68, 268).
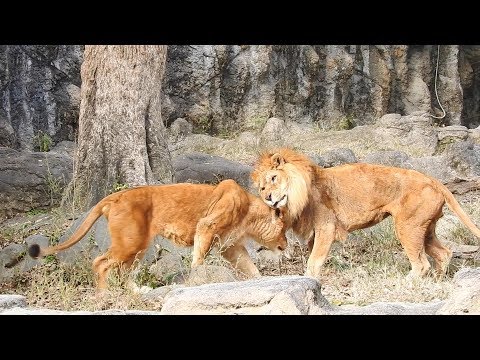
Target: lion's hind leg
point(412, 237)
point(440, 254)
point(124, 253)
point(101, 267)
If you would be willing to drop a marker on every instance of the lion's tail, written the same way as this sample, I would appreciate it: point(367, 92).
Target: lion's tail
point(456, 208)
point(98, 210)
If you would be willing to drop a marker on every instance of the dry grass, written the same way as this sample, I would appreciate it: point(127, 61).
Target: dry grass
point(71, 287)
point(52, 224)
point(459, 233)
point(370, 266)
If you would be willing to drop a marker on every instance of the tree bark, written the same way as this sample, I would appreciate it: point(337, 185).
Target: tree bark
point(121, 138)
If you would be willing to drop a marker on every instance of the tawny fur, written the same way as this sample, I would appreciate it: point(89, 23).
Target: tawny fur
point(187, 214)
point(324, 205)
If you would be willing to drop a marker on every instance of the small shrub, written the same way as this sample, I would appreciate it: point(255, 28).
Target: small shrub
point(43, 141)
point(118, 186)
point(346, 123)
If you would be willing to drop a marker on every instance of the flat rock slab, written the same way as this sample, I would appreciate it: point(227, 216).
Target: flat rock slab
point(12, 301)
point(266, 295)
point(391, 308)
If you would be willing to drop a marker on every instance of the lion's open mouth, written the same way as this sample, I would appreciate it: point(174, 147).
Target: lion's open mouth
point(280, 202)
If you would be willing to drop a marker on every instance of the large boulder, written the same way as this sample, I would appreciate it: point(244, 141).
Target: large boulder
point(32, 180)
point(465, 297)
point(10, 256)
point(464, 158)
point(266, 295)
point(389, 158)
point(274, 132)
point(204, 168)
point(414, 131)
point(435, 166)
point(207, 274)
point(337, 157)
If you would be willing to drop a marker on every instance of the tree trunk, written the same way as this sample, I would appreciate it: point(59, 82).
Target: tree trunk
point(121, 138)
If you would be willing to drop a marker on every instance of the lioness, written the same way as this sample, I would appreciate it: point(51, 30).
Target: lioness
point(324, 205)
point(187, 214)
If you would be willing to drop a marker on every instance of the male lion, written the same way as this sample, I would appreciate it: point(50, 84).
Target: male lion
point(187, 214)
point(324, 205)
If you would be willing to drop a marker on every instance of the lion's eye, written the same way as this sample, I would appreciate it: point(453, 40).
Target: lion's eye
point(274, 177)
point(263, 188)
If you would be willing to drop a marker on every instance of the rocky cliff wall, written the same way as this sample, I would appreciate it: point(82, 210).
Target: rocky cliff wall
point(223, 88)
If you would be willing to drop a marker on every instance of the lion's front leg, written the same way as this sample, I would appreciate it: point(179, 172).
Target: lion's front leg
point(238, 256)
point(324, 238)
point(205, 234)
point(201, 246)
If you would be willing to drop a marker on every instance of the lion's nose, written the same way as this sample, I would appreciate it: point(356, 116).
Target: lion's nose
point(280, 247)
point(269, 197)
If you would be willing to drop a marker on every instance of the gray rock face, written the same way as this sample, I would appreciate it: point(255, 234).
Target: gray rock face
point(65, 147)
point(465, 298)
point(203, 168)
point(232, 87)
point(39, 91)
point(31, 180)
point(266, 295)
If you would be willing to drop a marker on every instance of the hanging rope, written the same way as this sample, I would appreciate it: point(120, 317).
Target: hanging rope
point(436, 92)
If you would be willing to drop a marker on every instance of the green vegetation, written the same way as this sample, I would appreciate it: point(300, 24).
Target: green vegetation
point(346, 123)
point(33, 212)
point(255, 123)
point(203, 124)
point(118, 186)
point(43, 141)
point(443, 144)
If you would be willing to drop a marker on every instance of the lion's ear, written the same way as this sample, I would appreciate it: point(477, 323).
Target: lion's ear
point(277, 161)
